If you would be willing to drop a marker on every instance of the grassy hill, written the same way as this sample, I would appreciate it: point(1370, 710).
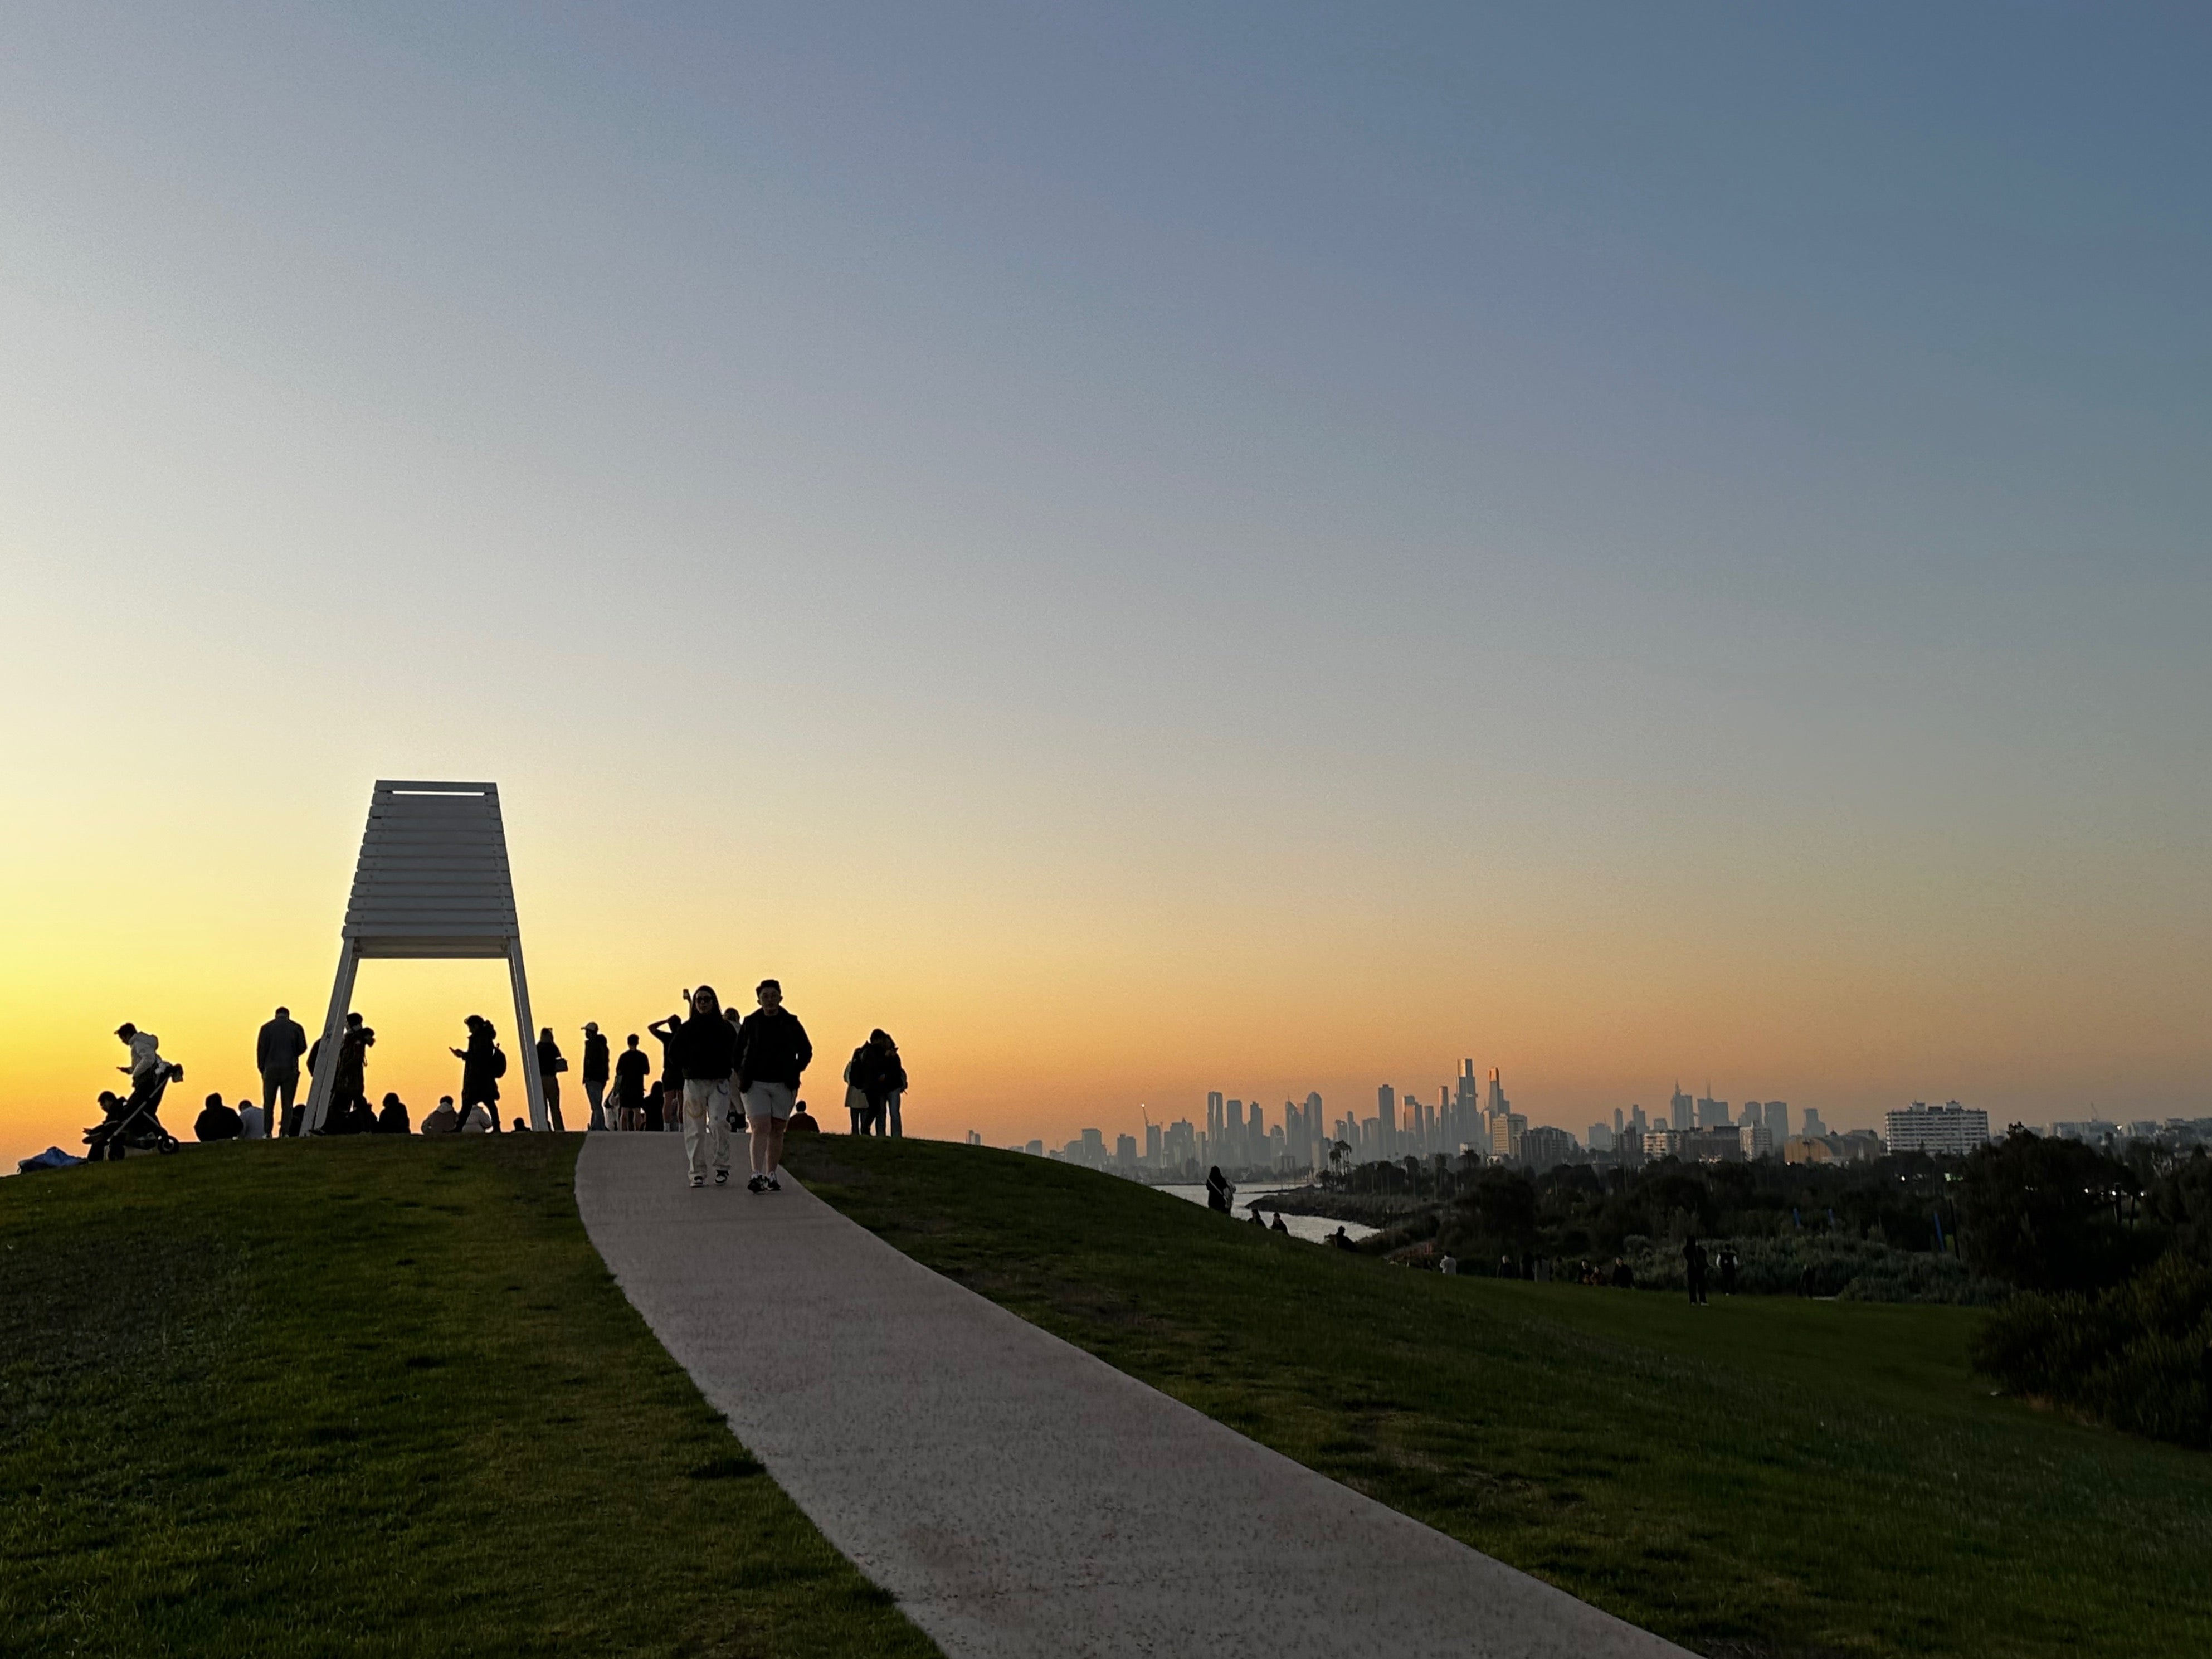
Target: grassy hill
point(371, 1396)
point(1759, 1476)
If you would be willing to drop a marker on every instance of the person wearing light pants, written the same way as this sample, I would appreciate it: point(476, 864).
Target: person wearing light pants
point(707, 1045)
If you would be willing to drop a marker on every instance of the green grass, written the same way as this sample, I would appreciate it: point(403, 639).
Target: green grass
point(1760, 1476)
point(371, 1397)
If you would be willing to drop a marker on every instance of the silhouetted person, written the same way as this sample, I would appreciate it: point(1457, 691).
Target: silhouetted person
point(392, 1119)
point(1280, 1228)
point(672, 1068)
point(876, 1073)
point(707, 1049)
point(347, 1112)
point(444, 1120)
point(551, 1065)
point(253, 1121)
point(483, 1065)
point(802, 1122)
point(477, 1120)
point(1623, 1276)
point(1729, 1263)
point(630, 1073)
point(656, 1107)
point(595, 1074)
point(100, 1137)
point(216, 1122)
point(1219, 1192)
point(773, 1050)
point(1340, 1239)
point(1693, 1260)
point(276, 1052)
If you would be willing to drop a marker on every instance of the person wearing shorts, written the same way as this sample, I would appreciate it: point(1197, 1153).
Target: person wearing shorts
point(707, 1048)
point(773, 1050)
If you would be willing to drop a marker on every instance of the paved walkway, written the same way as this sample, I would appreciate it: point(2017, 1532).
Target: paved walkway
point(1018, 1496)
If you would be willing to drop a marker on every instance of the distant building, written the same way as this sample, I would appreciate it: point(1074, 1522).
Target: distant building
point(1681, 1110)
point(1813, 1128)
point(1951, 1130)
point(1602, 1136)
point(1713, 1114)
point(1758, 1139)
point(1778, 1121)
point(1125, 1154)
point(1542, 1146)
point(1035, 1149)
point(974, 1137)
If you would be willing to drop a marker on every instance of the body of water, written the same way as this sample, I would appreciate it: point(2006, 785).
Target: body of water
point(1315, 1228)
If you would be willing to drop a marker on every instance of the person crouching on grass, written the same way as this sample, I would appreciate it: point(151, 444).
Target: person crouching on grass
point(772, 1051)
point(707, 1045)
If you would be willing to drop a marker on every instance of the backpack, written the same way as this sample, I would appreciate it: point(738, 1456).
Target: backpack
point(499, 1062)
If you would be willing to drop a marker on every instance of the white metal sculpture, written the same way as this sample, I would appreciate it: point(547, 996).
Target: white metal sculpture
point(433, 881)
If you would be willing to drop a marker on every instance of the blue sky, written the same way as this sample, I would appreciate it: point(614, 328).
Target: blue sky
point(1649, 512)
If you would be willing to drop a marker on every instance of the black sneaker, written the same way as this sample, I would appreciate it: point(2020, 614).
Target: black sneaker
point(756, 1185)
point(773, 1185)
point(721, 1178)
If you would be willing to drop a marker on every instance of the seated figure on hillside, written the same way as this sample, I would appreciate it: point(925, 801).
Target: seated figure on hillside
point(216, 1122)
point(392, 1119)
point(443, 1122)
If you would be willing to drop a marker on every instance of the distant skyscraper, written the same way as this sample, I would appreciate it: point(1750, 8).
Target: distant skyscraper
point(1213, 1117)
point(1637, 1121)
point(1778, 1121)
point(1713, 1114)
point(1813, 1128)
point(1681, 1110)
point(1152, 1145)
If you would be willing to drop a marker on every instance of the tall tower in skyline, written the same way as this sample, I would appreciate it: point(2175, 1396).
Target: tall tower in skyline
point(1213, 1119)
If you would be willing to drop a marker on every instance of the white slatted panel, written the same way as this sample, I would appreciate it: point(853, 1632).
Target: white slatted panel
point(433, 878)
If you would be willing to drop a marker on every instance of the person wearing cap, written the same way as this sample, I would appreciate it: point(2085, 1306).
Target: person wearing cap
point(595, 1074)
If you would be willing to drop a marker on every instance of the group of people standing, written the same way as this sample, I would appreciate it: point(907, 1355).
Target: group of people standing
point(718, 1073)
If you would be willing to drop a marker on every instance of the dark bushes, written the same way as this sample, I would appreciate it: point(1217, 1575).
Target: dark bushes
point(2137, 1357)
point(2046, 1215)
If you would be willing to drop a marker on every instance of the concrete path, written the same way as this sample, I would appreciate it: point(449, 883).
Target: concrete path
point(1018, 1496)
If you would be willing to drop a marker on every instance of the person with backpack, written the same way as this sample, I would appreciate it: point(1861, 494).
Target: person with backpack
point(627, 1110)
point(483, 1064)
point(773, 1050)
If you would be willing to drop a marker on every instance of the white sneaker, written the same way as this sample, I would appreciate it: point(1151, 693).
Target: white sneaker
point(698, 1181)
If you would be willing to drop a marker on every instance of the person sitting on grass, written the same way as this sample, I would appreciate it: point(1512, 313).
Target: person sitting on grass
point(1279, 1226)
point(392, 1119)
point(802, 1122)
point(216, 1122)
point(1340, 1239)
point(443, 1122)
point(477, 1120)
point(253, 1121)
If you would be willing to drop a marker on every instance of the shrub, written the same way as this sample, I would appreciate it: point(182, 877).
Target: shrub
point(2138, 1358)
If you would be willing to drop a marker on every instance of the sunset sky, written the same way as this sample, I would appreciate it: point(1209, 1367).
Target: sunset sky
point(1143, 548)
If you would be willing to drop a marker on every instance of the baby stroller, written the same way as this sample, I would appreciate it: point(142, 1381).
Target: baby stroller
point(135, 1125)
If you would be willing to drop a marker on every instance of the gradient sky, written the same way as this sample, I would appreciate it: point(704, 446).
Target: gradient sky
point(1143, 548)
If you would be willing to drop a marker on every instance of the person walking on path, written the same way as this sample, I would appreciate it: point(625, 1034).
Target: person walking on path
point(595, 1073)
point(551, 1065)
point(483, 1065)
point(706, 1046)
point(631, 1071)
point(276, 1052)
point(874, 1072)
point(773, 1050)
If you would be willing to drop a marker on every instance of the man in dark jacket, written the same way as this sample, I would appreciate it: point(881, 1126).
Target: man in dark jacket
point(773, 1049)
point(706, 1047)
point(276, 1054)
point(595, 1073)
